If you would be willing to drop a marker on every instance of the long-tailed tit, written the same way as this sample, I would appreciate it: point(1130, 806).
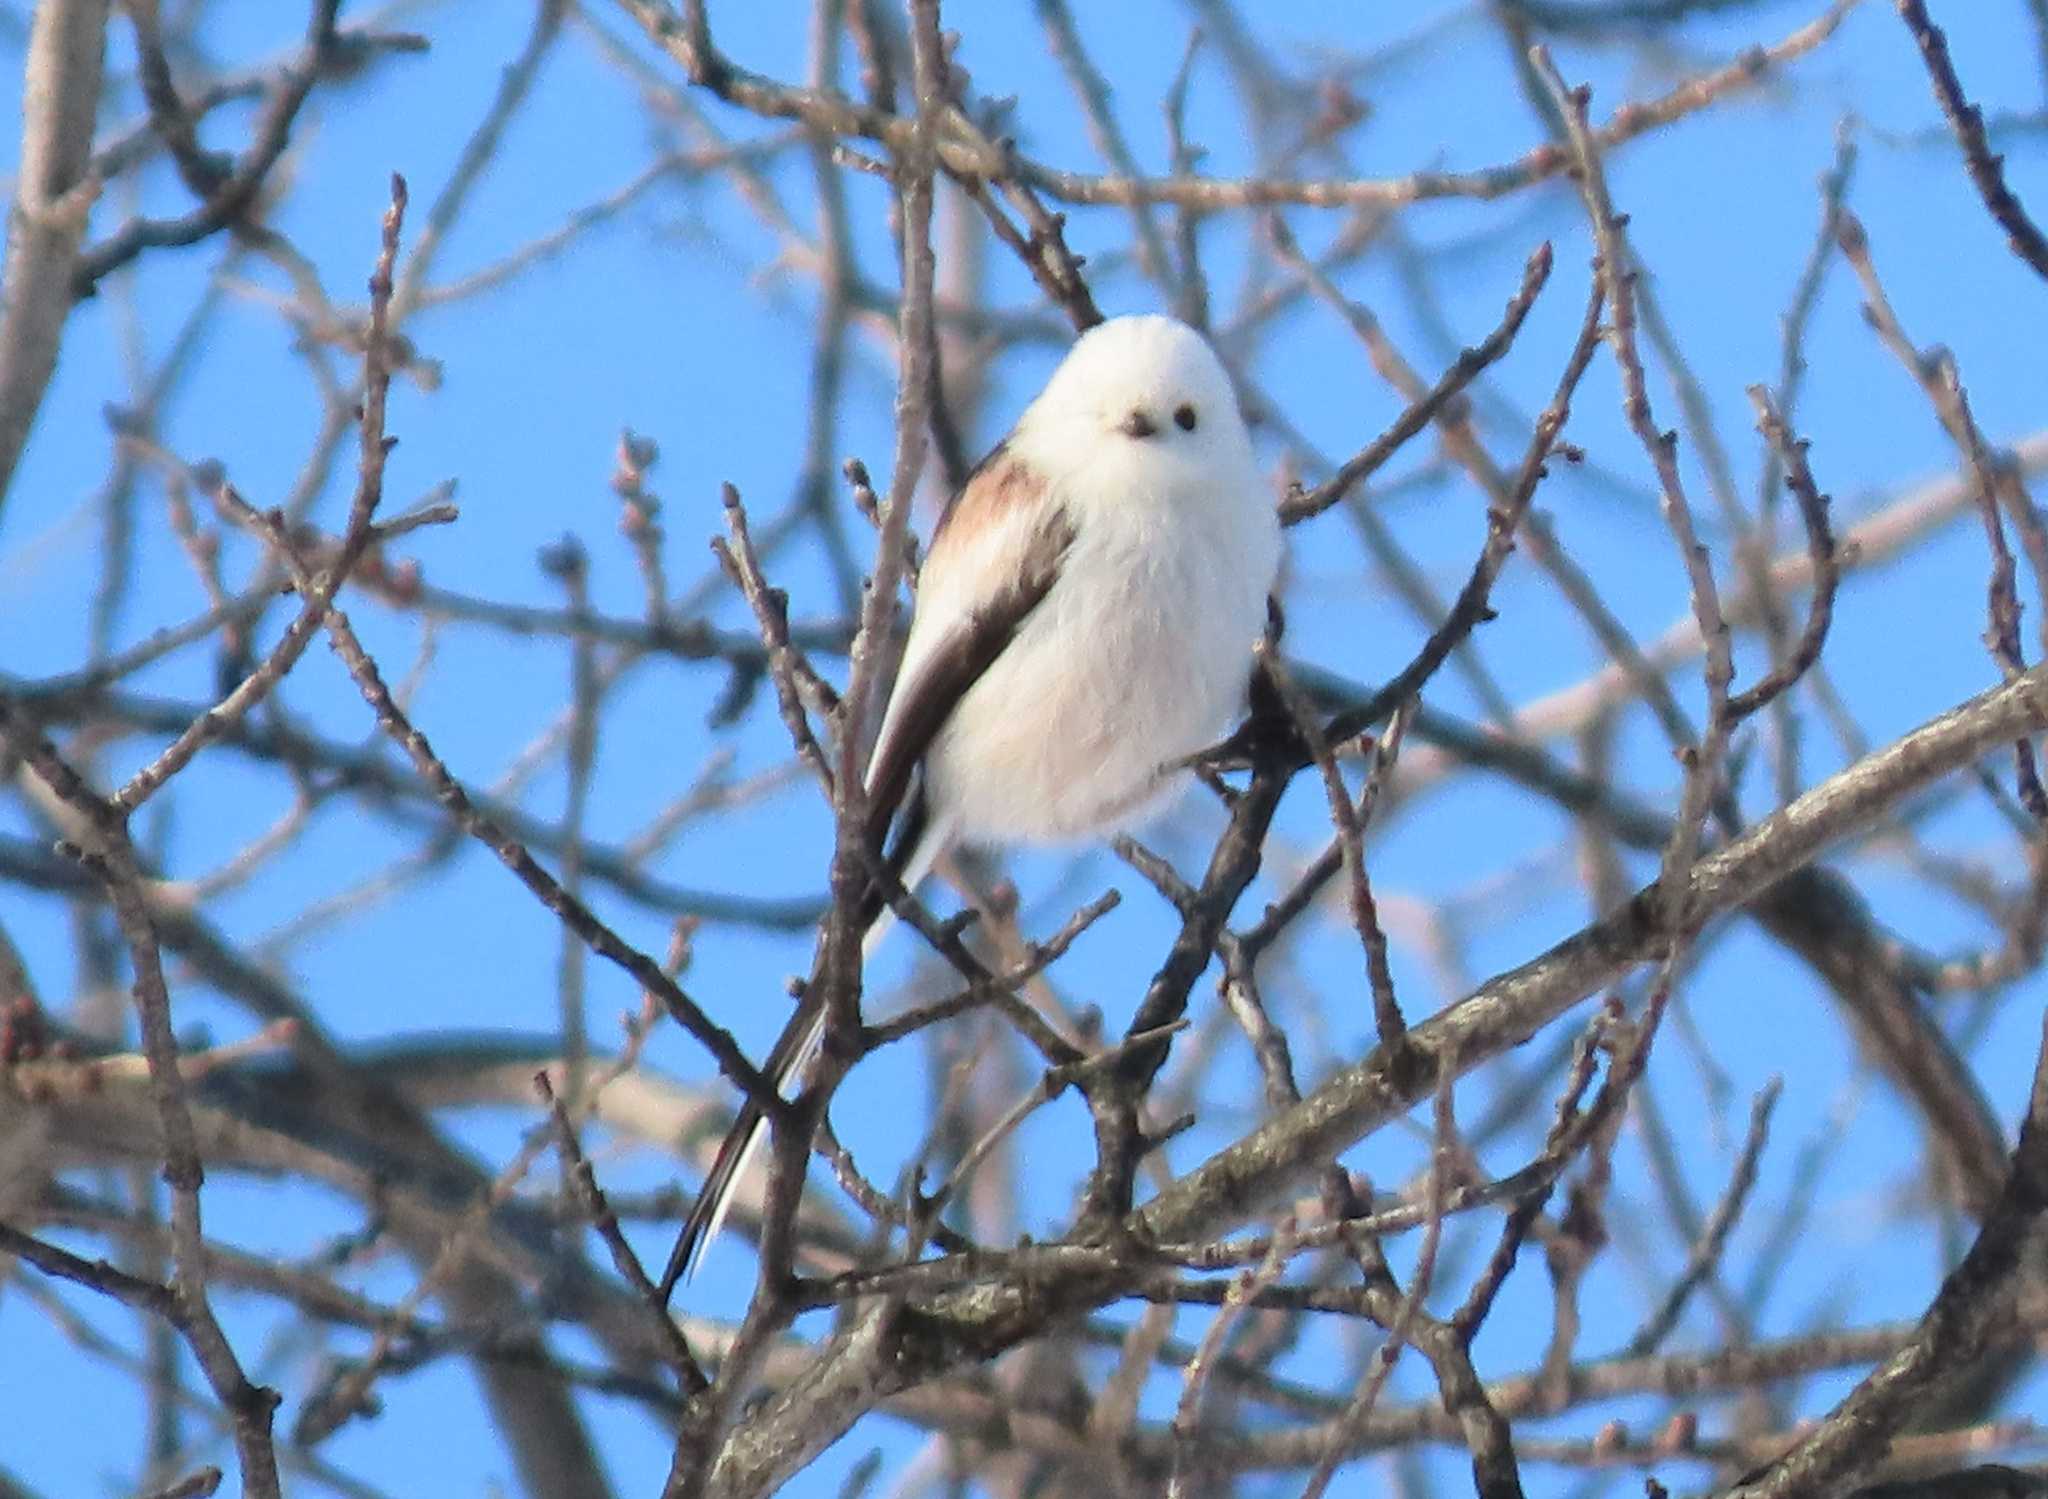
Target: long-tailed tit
point(1084, 622)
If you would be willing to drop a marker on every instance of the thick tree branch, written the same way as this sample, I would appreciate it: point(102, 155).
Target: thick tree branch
point(53, 194)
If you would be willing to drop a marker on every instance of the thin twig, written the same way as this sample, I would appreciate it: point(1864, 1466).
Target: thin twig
point(1987, 169)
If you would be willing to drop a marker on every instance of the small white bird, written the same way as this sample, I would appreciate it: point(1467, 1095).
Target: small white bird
point(1084, 622)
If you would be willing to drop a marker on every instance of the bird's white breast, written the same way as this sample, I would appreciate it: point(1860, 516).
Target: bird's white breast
point(1137, 657)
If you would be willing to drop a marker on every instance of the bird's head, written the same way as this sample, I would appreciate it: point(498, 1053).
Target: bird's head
point(1146, 381)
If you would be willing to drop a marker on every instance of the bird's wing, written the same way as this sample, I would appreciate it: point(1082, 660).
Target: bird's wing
point(995, 555)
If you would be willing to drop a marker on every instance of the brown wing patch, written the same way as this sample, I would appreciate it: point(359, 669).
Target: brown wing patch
point(997, 485)
point(957, 664)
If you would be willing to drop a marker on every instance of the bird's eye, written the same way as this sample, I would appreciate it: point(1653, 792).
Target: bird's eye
point(1138, 424)
point(1184, 418)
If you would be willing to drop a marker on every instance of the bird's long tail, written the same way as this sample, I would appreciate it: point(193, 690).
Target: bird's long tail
point(788, 1060)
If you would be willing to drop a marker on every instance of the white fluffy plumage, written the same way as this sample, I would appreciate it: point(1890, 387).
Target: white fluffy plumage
point(1140, 650)
point(1085, 620)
